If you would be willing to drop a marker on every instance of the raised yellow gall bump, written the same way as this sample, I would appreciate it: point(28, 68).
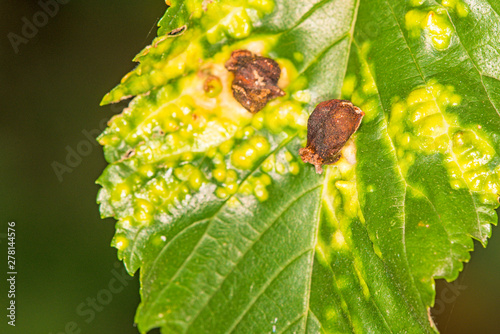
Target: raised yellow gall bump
point(403, 139)
point(215, 34)
point(243, 157)
point(274, 122)
point(120, 191)
point(467, 153)
point(146, 171)
point(159, 240)
point(289, 76)
point(231, 188)
point(260, 192)
point(226, 147)
point(211, 152)
point(183, 190)
point(249, 151)
point(238, 24)
point(280, 168)
point(120, 242)
point(244, 133)
point(221, 193)
point(183, 172)
point(449, 3)
point(265, 179)
point(462, 9)
point(416, 3)
point(219, 174)
point(357, 98)
point(338, 240)
point(158, 187)
point(231, 176)
point(246, 188)
point(302, 96)
point(263, 6)
point(431, 126)
point(413, 22)
point(143, 210)
point(459, 6)
point(196, 179)
point(218, 160)
point(169, 125)
point(436, 24)
point(127, 222)
point(233, 202)
point(298, 56)
point(258, 121)
point(456, 184)
point(370, 108)
point(261, 144)
point(369, 85)
point(268, 164)
point(439, 29)
point(348, 86)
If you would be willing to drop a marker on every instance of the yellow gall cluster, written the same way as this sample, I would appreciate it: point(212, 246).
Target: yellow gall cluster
point(420, 123)
point(458, 6)
point(435, 24)
point(277, 117)
point(235, 22)
point(120, 242)
point(257, 186)
point(228, 182)
point(361, 88)
point(284, 163)
point(469, 163)
point(246, 155)
point(191, 175)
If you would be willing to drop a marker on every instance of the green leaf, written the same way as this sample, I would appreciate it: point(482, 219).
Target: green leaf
point(234, 233)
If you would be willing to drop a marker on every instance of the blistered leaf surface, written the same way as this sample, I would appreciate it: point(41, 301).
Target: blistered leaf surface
point(232, 232)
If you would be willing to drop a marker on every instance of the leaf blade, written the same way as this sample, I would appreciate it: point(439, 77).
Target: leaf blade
point(353, 260)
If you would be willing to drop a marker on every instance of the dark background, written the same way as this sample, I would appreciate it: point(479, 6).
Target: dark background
point(50, 96)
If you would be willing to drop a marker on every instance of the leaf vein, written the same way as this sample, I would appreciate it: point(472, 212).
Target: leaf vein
point(249, 249)
point(264, 288)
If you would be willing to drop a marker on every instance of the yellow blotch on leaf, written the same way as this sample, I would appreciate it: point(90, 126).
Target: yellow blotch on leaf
point(437, 27)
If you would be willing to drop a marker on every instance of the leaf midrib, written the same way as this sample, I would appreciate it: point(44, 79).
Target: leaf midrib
point(349, 34)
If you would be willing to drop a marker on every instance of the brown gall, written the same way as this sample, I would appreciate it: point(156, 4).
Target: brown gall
point(329, 127)
point(255, 79)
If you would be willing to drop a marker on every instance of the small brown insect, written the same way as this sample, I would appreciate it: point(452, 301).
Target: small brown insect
point(328, 129)
point(255, 79)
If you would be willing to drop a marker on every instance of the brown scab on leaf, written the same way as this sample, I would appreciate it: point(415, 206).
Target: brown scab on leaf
point(129, 154)
point(255, 79)
point(177, 31)
point(329, 127)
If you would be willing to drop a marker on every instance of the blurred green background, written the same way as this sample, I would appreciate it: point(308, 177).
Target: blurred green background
point(50, 97)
